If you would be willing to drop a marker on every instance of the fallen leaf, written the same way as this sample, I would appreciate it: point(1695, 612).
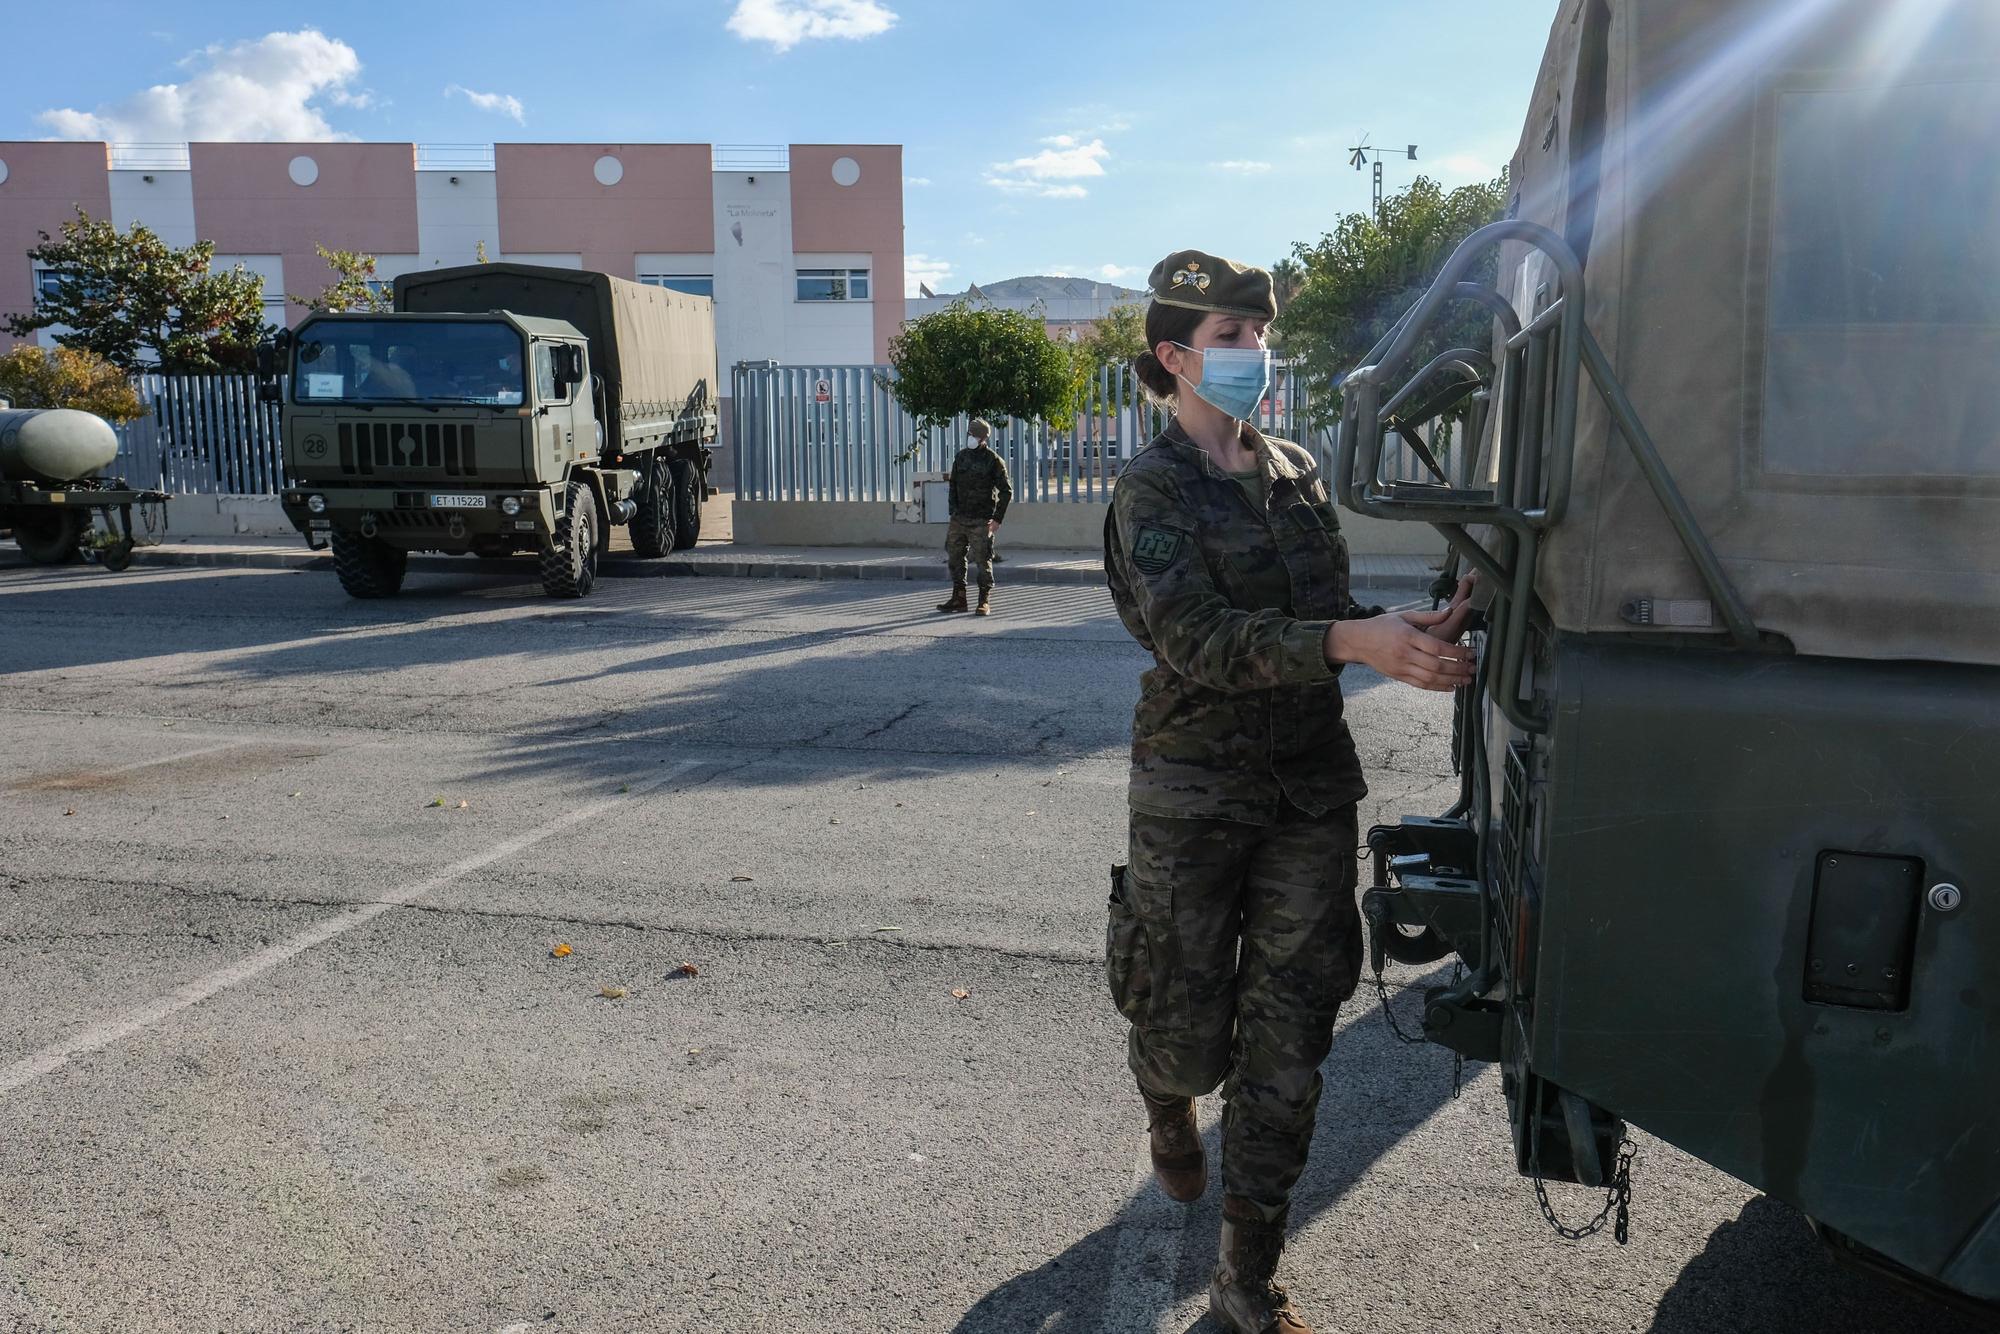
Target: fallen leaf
point(611, 993)
point(833, 822)
point(624, 787)
point(298, 794)
point(899, 803)
point(740, 879)
point(1031, 812)
point(70, 811)
point(463, 804)
point(960, 992)
point(687, 970)
point(888, 928)
point(694, 1051)
point(435, 801)
point(560, 952)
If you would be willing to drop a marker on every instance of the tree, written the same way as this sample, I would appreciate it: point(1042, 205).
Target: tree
point(1360, 277)
point(984, 361)
point(1112, 341)
point(1287, 276)
point(68, 377)
point(349, 290)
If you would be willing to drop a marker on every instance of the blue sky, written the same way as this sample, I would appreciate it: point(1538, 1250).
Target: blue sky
point(1086, 137)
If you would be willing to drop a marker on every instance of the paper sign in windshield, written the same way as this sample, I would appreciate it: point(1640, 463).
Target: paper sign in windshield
point(321, 385)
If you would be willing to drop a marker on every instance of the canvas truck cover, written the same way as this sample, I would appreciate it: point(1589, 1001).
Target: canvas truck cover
point(1786, 212)
point(654, 348)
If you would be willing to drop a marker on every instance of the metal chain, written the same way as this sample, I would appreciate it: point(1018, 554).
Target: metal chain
point(1617, 1196)
point(1389, 1015)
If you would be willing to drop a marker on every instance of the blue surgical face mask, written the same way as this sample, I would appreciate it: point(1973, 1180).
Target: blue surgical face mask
point(1233, 379)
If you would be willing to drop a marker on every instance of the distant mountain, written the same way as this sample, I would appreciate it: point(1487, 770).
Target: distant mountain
point(1052, 288)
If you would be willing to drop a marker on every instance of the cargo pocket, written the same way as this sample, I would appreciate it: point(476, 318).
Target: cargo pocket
point(1142, 955)
point(1125, 961)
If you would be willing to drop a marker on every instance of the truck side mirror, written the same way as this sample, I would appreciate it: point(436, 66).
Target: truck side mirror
point(569, 365)
point(269, 392)
point(267, 359)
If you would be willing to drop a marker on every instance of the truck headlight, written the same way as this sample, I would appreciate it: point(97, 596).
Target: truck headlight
point(317, 504)
point(510, 505)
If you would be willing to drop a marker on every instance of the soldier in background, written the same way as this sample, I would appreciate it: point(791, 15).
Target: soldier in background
point(1234, 935)
point(980, 492)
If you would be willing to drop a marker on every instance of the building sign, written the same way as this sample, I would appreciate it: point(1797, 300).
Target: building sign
point(822, 391)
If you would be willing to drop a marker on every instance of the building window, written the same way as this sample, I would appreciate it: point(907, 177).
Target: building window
point(694, 284)
point(48, 283)
point(833, 284)
point(385, 288)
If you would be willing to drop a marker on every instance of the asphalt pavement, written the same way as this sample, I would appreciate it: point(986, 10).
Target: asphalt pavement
point(717, 954)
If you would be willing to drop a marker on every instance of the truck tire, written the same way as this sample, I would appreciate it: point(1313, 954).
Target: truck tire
point(653, 528)
point(368, 567)
point(569, 558)
point(51, 536)
point(687, 504)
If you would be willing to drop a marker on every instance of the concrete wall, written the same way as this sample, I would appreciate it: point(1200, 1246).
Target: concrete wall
point(1078, 525)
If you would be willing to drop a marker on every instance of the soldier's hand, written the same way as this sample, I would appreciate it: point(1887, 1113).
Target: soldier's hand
point(1392, 645)
point(1447, 623)
point(992, 527)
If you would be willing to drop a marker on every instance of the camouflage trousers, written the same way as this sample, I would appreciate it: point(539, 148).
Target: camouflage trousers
point(1230, 948)
point(968, 537)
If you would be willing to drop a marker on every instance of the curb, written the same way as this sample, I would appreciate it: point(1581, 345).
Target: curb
point(924, 570)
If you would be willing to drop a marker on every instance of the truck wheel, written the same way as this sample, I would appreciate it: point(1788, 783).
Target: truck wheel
point(54, 537)
point(653, 527)
point(687, 504)
point(569, 558)
point(368, 567)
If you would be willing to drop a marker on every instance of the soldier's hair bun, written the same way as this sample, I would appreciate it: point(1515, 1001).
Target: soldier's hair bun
point(1164, 324)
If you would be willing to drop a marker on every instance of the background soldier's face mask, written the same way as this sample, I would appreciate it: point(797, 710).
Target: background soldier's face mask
point(1233, 379)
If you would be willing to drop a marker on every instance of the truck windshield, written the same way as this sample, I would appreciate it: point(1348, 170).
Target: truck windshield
point(429, 361)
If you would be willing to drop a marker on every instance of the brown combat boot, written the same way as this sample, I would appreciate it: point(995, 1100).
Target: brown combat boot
point(1178, 1160)
point(956, 602)
point(985, 607)
point(1242, 1296)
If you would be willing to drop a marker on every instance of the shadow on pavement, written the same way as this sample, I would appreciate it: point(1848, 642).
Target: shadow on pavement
point(1764, 1272)
point(1068, 1295)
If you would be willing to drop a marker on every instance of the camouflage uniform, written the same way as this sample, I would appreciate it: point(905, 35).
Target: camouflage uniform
point(980, 491)
point(1243, 790)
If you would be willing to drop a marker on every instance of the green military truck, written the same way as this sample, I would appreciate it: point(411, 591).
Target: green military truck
point(1718, 864)
point(502, 409)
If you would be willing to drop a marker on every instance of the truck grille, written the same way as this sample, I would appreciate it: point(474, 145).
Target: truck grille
point(368, 448)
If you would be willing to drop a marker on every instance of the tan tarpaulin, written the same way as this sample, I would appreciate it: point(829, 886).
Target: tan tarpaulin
point(1789, 213)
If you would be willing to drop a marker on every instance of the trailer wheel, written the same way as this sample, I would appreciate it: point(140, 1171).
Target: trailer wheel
point(569, 558)
point(368, 567)
point(654, 528)
point(687, 504)
point(51, 537)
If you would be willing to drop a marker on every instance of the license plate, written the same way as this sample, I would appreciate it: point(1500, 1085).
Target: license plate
point(456, 502)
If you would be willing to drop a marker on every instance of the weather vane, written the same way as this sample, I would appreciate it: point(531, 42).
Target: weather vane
point(1361, 153)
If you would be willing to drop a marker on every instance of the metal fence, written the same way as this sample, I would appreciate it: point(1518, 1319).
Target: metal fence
point(202, 433)
point(836, 433)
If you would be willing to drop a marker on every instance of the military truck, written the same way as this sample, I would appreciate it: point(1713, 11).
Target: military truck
point(1717, 864)
point(502, 409)
point(51, 495)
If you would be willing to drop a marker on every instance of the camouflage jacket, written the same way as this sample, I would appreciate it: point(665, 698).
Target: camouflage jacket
point(1241, 708)
point(980, 487)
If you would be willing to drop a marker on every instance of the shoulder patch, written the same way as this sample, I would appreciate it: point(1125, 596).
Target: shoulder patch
point(1155, 549)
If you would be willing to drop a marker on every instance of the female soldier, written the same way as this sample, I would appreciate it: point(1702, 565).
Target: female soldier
point(1234, 934)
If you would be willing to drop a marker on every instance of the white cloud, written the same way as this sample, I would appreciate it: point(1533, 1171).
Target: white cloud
point(1112, 273)
point(927, 269)
point(916, 180)
point(505, 104)
point(1066, 159)
point(263, 88)
point(1465, 167)
point(1242, 167)
point(786, 23)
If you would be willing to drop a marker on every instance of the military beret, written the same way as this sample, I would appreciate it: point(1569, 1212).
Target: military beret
point(1195, 280)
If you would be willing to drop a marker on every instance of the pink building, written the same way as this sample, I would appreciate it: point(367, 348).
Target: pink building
point(801, 247)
